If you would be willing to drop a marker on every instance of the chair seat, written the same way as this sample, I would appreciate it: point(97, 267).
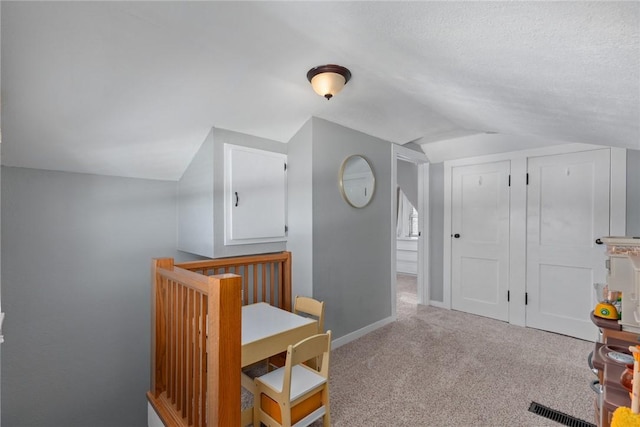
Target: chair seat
point(302, 380)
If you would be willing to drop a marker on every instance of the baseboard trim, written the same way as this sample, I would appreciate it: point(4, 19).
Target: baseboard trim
point(439, 304)
point(153, 419)
point(345, 339)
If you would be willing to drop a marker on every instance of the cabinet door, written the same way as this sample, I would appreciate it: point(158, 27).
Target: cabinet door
point(255, 195)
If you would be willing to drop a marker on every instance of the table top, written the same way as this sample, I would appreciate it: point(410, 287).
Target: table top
point(261, 320)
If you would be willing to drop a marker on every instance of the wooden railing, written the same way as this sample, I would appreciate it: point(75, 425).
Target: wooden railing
point(196, 333)
point(265, 278)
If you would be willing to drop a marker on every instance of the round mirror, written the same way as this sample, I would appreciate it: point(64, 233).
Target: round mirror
point(357, 182)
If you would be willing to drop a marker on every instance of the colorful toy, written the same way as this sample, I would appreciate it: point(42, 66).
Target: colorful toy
point(630, 417)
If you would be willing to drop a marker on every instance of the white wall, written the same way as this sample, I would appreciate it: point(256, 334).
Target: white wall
point(633, 192)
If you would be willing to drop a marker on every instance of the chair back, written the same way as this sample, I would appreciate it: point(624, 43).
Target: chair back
point(296, 394)
point(316, 347)
point(310, 307)
point(312, 349)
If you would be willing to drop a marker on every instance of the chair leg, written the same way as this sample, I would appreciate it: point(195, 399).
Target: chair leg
point(326, 419)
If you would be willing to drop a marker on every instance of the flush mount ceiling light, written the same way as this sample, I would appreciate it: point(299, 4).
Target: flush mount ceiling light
point(328, 80)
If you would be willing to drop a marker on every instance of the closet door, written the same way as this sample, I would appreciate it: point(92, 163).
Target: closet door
point(567, 211)
point(480, 239)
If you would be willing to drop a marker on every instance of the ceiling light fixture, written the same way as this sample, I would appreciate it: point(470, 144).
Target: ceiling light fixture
point(328, 80)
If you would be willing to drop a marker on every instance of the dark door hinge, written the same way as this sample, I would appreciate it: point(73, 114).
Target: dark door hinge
point(286, 228)
point(508, 296)
point(526, 298)
point(527, 179)
point(509, 180)
point(285, 166)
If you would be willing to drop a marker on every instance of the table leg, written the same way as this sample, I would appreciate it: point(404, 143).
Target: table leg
point(247, 414)
point(246, 419)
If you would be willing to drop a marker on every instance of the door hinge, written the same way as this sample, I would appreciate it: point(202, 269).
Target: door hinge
point(286, 228)
point(509, 180)
point(526, 298)
point(285, 166)
point(527, 179)
point(508, 296)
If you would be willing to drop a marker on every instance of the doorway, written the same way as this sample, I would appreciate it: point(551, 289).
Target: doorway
point(416, 232)
point(407, 295)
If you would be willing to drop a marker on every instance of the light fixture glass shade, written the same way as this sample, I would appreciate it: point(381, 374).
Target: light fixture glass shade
point(328, 80)
point(327, 84)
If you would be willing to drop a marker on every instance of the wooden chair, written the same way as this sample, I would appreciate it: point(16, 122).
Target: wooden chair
point(312, 308)
point(296, 395)
point(307, 307)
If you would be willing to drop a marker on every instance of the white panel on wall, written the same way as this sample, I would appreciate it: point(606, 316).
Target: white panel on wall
point(255, 195)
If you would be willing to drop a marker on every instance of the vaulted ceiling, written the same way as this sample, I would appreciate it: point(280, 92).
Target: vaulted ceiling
point(132, 88)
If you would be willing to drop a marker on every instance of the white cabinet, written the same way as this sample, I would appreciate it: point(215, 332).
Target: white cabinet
point(212, 221)
point(407, 256)
point(255, 184)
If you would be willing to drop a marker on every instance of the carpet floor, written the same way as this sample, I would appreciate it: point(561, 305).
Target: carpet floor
point(437, 367)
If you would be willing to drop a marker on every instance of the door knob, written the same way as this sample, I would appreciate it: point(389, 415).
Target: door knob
point(457, 236)
point(598, 242)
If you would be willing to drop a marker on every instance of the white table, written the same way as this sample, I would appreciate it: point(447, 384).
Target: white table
point(267, 331)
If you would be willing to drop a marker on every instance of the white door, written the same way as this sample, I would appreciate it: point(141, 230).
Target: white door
point(567, 211)
point(480, 239)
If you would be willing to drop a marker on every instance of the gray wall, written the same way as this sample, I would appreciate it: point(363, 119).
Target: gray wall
point(436, 225)
point(633, 192)
point(195, 202)
point(76, 253)
point(300, 210)
point(351, 247)
point(408, 180)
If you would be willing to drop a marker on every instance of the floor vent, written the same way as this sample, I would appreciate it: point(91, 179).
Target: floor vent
point(557, 416)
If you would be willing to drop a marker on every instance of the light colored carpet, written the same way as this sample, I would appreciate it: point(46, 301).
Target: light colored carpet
point(436, 367)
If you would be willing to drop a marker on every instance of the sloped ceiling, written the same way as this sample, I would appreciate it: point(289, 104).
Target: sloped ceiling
point(132, 88)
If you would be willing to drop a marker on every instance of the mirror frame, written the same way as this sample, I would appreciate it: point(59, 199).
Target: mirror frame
point(345, 162)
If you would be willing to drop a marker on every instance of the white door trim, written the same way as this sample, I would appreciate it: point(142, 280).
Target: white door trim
point(399, 152)
point(618, 193)
point(517, 274)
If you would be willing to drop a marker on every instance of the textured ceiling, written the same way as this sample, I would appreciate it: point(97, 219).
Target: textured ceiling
point(132, 88)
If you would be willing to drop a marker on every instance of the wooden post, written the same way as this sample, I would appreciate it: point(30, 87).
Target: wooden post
point(286, 281)
point(158, 325)
point(224, 363)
